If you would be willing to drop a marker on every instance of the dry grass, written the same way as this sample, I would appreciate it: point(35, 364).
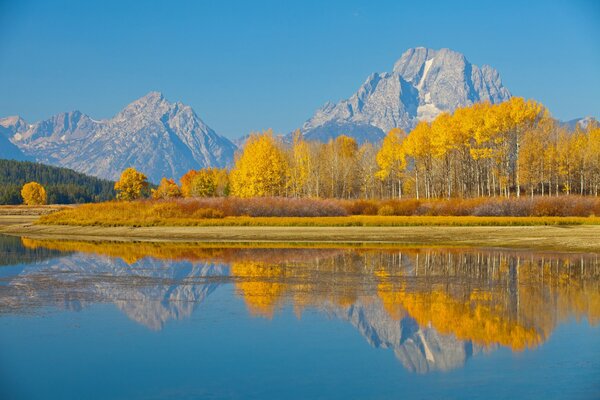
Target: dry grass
point(23, 210)
point(583, 238)
point(305, 212)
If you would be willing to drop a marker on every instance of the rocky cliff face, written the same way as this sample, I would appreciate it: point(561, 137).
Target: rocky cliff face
point(422, 84)
point(159, 138)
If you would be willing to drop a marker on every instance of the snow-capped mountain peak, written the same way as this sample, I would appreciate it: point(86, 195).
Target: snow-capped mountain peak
point(159, 138)
point(423, 83)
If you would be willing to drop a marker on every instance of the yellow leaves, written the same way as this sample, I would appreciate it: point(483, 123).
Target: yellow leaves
point(418, 143)
point(166, 190)
point(391, 158)
point(205, 182)
point(346, 146)
point(34, 194)
point(300, 165)
point(261, 168)
point(481, 154)
point(130, 185)
point(186, 182)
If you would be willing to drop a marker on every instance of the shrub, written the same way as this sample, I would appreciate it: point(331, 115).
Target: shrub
point(386, 210)
point(208, 213)
point(361, 207)
point(405, 207)
point(166, 210)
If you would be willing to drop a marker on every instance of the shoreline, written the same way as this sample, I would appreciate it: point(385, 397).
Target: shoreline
point(572, 238)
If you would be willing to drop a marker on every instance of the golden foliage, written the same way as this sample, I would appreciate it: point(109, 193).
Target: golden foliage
point(34, 194)
point(261, 169)
point(130, 185)
point(167, 189)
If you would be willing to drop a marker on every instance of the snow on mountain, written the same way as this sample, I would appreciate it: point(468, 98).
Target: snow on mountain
point(582, 123)
point(159, 138)
point(422, 84)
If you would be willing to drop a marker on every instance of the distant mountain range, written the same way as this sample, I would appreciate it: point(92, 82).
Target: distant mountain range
point(160, 138)
point(165, 139)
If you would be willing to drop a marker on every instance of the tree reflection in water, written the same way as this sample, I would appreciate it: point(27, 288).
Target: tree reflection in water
point(434, 307)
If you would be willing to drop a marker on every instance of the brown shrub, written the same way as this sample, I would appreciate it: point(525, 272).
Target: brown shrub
point(360, 207)
point(386, 210)
point(208, 213)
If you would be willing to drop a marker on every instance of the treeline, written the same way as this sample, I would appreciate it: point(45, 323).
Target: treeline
point(62, 185)
point(508, 149)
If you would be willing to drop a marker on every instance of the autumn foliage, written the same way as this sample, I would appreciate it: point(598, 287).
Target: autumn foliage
point(260, 170)
point(510, 159)
point(167, 189)
point(33, 194)
point(131, 184)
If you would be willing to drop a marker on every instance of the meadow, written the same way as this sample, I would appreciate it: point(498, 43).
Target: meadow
point(277, 211)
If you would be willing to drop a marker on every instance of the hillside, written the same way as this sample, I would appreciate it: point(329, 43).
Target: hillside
point(64, 186)
point(151, 134)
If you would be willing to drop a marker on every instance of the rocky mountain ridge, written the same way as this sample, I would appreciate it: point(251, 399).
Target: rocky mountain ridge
point(160, 138)
point(423, 83)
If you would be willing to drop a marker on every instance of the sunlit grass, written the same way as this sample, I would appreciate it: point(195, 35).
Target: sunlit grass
point(105, 215)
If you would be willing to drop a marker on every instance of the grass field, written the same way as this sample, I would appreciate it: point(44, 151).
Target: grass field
point(71, 217)
point(567, 210)
point(580, 238)
point(543, 233)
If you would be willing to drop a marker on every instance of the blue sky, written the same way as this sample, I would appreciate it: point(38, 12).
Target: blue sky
point(250, 65)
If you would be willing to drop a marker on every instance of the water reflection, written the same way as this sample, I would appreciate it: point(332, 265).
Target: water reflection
point(433, 307)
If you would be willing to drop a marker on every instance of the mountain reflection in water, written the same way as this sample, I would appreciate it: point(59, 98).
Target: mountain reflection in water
point(433, 307)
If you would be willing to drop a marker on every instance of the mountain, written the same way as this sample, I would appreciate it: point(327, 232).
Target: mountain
point(159, 138)
point(8, 127)
point(582, 123)
point(9, 151)
point(422, 84)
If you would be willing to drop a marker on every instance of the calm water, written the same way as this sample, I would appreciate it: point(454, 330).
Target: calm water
point(154, 321)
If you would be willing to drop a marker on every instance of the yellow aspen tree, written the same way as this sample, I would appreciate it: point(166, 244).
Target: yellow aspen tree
point(34, 194)
point(442, 138)
point(300, 165)
point(186, 182)
point(522, 116)
point(348, 152)
point(392, 160)
point(529, 160)
point(419, 148)
point(261, 169)
point(167, 189)
point(130, 185)
point(565, 159)
point(593, 155)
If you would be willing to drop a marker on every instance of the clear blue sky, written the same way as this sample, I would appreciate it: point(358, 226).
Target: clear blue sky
point(250, 65)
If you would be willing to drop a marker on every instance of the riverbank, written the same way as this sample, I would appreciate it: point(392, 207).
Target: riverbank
point(20, 214)
point(585, 238)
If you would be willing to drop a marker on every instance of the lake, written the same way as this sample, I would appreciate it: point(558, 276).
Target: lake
point(120, 320)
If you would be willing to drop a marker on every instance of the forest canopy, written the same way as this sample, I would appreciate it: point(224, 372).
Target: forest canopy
point(62, 185)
